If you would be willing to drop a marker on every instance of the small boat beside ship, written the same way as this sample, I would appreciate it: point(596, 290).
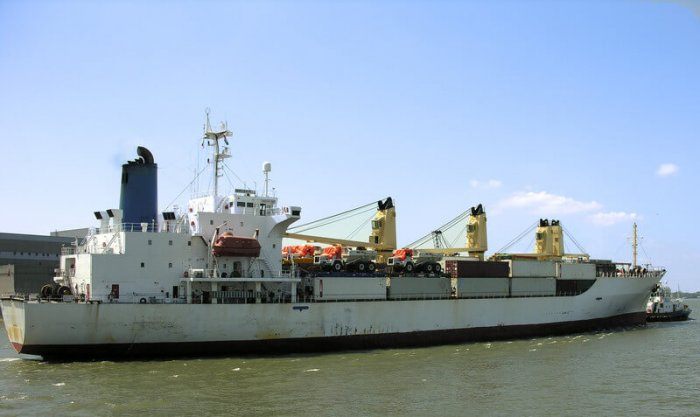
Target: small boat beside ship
point(662, 306)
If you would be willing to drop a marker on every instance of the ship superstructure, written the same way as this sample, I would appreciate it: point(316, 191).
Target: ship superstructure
point(216, 279)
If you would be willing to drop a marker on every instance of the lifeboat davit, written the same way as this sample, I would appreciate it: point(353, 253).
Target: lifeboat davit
point(229, 245)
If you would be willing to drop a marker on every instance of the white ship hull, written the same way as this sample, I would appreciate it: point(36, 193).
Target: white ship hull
point(112, 330)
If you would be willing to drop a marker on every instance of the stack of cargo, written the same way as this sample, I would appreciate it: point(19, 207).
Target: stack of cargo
point(415, 287)
point(575, 278)
point(479, 279)
point(476, 269)
point(531, 278)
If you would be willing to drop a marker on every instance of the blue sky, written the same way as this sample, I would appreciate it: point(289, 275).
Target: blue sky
point(582, 111)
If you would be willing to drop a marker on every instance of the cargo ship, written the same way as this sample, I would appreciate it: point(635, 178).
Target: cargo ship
point(215, 279)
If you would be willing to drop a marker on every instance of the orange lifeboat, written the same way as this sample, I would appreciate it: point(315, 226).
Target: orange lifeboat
point(229, 245)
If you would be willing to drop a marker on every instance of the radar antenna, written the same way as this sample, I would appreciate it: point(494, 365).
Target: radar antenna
point(212, 138)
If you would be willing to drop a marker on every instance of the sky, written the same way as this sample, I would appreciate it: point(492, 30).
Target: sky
point(587, 112)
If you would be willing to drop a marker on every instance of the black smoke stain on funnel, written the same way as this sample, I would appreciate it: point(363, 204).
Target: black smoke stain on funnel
point(139, 192)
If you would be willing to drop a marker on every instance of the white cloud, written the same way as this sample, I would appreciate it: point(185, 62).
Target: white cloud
point(546, 204)
point(490, 184)
point(610, 218)
point(666, 170)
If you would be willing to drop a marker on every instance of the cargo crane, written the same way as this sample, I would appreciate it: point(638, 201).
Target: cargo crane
point(474, 230)
point(549, 243)
point(382, 238)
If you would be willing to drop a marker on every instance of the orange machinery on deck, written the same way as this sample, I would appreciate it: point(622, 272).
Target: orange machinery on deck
point(302, 254)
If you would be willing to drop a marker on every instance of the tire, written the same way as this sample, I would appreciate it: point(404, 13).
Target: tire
point(47, 291)
point(429, 268)
point(63, 290)
point(337, 266)
point(437, 268)
point(371, 267)
point(408, 267)
point(361, 266)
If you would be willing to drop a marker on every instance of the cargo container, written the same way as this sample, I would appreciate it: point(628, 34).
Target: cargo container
point(577, 271)
point(349, 288)
point(482, 287)
point(476, 269)
point(415, 287)
point(526, 287)
point(528, 269)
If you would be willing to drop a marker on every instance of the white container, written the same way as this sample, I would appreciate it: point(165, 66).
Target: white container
point(528, 287)
point(349, 288)
point(414, 287)
point(527, 269)
point(482, 287)
point(577, 271)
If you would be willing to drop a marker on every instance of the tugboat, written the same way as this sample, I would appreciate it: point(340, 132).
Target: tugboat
point(662, 307)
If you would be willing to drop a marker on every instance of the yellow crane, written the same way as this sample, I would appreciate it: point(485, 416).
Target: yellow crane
point(474, 230)
point(382, 238)
point(549, 243)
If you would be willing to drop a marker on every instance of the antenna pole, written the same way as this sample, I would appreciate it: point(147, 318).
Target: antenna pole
point(267, 181)
point(634, 245)
point(212, 137)
point(216, 168)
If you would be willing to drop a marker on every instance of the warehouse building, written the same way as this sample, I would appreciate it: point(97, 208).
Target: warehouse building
point(27, 262)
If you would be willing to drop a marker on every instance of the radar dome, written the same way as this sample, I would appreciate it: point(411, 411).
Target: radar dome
point(267, 167)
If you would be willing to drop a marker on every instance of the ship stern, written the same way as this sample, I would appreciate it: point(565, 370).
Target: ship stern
point(13, 314)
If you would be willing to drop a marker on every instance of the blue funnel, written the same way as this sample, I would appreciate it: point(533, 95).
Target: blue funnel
point(139, 193)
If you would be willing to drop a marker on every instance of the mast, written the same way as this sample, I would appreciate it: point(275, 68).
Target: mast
point(213, 137)
point(267, 167)
point(634, 245)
